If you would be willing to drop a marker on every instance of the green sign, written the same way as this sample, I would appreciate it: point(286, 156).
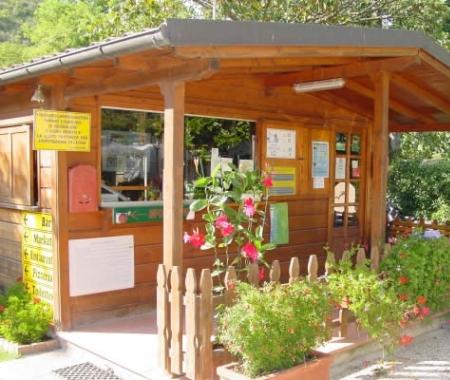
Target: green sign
point(140, 214)
point(279, 223)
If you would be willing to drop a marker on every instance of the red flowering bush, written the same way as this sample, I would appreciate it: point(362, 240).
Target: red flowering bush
point(234, 206)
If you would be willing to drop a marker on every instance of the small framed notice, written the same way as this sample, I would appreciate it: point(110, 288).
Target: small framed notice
point(320, 159)
point(280, 143)
point(340, 168)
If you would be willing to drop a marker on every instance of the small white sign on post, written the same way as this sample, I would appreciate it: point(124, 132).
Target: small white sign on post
point(101, 264)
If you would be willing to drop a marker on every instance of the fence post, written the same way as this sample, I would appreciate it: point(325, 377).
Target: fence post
point(343, 321)
point(375, 257)
point(192, 348)
point(275, 271)
point(253, 275)
point(313, 268)
point(230, 284)
point(360, 257)
point(205, 322)
point(163, 317)
point(294, 269)
point(329, 263)
point(176, 313)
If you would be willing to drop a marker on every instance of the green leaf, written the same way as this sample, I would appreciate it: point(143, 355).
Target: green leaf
point(198, 205)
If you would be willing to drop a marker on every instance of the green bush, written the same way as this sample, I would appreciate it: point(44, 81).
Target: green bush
point(372, 300)
point(23, 319)
point(419, 267)
point(274, 327)
point(420, 188)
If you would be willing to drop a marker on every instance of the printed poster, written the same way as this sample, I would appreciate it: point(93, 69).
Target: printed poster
point(320, 159)
point(280, 143)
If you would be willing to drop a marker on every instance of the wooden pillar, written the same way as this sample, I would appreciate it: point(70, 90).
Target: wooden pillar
point(380, 162)
point(173, 93)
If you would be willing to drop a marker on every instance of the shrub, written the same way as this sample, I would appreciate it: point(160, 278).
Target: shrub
point(23, 319)
point(372, 300)
point(274, 327)
point(419, 267)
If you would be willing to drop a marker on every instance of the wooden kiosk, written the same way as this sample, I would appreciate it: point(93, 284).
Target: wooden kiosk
point(366, 83)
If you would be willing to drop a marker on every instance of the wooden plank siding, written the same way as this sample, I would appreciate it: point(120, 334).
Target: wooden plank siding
point(10, 251)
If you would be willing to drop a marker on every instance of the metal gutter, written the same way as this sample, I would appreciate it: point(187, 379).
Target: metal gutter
point(132, 43)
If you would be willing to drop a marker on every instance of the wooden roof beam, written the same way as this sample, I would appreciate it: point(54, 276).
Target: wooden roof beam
point(189, 71)
point(393, 104)
point(352, 70)
point(340, 102)
point(435, 127)
point(425, 94)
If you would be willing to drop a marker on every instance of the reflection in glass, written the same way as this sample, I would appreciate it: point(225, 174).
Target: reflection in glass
point(356, 144)
point(341, 143)
point(353, 216)
point(338, 216)
point(353, 192)
point(339, 192)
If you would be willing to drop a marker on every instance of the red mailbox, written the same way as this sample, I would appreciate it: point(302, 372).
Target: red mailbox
point(83, 195)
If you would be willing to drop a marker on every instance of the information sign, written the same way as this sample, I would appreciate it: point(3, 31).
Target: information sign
point(284, 180)
point(320, 159)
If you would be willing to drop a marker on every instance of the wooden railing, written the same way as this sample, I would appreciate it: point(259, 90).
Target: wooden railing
point(405, 226)
point(188, 307)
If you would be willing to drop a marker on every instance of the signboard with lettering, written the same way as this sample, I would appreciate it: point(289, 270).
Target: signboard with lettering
point(62, 130)
point(37, 255)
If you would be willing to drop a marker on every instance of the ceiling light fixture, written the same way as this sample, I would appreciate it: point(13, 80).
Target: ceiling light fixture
point(38, 95)
point(321, 85)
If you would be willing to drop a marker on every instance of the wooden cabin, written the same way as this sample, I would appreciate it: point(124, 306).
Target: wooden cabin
point(319, 103)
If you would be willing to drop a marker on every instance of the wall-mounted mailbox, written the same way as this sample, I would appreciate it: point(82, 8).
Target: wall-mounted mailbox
point(82, 189)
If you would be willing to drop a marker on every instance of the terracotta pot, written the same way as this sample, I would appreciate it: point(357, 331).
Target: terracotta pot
point(316, 369)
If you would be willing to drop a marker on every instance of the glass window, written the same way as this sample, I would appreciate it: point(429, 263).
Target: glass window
point(132, 151)
point(356, 144)
point(341, 143)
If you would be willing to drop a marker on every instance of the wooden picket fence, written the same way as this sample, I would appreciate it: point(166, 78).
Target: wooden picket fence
point(187, 309)
point(406, 226)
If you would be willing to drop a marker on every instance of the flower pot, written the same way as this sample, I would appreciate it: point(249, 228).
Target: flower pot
point(315, 369)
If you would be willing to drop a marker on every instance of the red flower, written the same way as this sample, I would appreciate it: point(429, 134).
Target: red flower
point(403, 297)
point(421, 300)
point(2, 308)
point(416, 310)
point(403, 280)
point(197, 239)
point(225, 227)
point(424, 311)
point(261, 273)
point(267, 181)
point(249, 207)
point(406, 340)
point(250, 251)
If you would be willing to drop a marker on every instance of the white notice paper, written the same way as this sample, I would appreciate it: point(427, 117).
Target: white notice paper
point(101, 264)
point(318, 183)
point(340, 168)
point(280, 143)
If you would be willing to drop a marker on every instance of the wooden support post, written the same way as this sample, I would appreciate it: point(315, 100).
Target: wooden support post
point(173, 93)
point(380, 161)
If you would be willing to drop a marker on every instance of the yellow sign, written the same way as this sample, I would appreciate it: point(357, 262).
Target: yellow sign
point(284, 180)
point(37, 254)
point(62, 130)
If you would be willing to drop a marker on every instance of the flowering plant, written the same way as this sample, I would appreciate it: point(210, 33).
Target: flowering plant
point(235, 207)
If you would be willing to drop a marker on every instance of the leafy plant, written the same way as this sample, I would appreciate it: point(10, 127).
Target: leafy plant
point(235, 205)
point(23, 319)
point(274, 327)
point(420, 267)
point(371, 299)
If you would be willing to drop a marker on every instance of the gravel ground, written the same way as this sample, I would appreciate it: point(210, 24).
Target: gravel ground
point(427, 358)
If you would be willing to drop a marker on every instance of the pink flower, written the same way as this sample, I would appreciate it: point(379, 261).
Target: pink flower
point(261, 274)
point(225, 227)
point(424, 311)
point(249, 207)
point(250, 251)
point(197, 239)
point(406, 340)
point(267, 181)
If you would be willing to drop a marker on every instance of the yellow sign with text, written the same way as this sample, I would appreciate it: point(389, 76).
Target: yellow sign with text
point(284, 180)
point(62, 130)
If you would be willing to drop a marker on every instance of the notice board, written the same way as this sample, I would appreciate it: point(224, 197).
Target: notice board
point(101, 264)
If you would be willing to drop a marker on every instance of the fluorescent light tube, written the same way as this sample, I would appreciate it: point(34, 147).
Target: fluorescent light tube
point(322, 85)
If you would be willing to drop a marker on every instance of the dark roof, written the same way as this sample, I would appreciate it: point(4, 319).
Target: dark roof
point(215, 33)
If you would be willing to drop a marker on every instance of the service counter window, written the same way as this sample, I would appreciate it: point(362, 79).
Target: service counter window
point(133, 155)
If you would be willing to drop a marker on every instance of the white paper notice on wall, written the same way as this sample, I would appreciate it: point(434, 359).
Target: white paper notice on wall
point(318, 183)
point(280, 143)
point(101, 264)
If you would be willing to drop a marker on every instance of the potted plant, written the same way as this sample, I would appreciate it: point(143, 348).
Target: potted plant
point(234, 206)
point(273, 330)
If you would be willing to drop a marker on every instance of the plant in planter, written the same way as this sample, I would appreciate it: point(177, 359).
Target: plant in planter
point(23, 319)
point(418, 268)
point(235, 207)
point(275, 328)
point(371, 299)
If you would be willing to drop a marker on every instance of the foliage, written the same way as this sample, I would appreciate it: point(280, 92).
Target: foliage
point(420, 188)
point(423, 146)
point(23, 319)
point(420, 267)
point(276, 326)
point(371, 299)
point(238, 226)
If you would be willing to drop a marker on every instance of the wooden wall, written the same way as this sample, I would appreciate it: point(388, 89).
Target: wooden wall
point(10, 252)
